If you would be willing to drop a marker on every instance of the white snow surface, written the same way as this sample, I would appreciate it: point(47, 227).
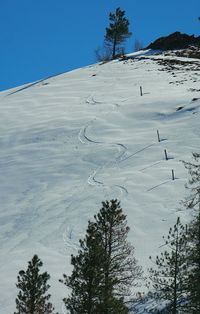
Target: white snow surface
point(69, 142)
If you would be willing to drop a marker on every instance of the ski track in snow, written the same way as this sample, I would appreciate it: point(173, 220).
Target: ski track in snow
point(82, 136)
point(123, 190)
point(121, 148)
point(92, 181)
point(91, 101)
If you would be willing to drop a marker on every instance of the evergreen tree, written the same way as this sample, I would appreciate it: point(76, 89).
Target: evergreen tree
point(104, 268)
point(170, 276)
point(193, 185)
point(193, 202)
point(32, 297)
point(118, 31)
point(120, 269)
point(86, 275)
point(193, 283)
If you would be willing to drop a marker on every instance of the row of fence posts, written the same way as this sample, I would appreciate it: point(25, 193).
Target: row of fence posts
point(166, 156)
point(158, 135)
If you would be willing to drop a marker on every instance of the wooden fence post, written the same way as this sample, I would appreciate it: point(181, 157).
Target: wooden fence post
point(173, 178)
point(166, 157)
point(141, 91)
point(158, 135)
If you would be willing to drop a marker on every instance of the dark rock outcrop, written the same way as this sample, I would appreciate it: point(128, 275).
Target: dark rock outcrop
point(175, 40)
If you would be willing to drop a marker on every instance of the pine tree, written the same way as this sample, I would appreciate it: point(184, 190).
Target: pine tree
point(120, 269)
point(193, 202)
point(86, 275)
point(193, 283)
point(118, 31)
point(170, 276)
point(32, 297)
point(104, 268)
point(193, 185)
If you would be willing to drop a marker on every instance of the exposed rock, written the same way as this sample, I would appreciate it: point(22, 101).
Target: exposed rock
point(175, 40)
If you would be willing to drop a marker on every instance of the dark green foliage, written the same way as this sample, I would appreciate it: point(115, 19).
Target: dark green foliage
point(165, 310)
point(183, 284)
point(170, 274)
point(118, 31)
point(120, 268)
point(193, 284)
point(32, 297)
point(86, 275)
point(193, 202)
point(104, 268)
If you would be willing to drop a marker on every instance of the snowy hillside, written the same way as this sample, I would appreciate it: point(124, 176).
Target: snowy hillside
point(71, 141)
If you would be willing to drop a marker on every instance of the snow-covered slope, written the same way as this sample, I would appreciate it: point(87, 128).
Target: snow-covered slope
point(71, 141)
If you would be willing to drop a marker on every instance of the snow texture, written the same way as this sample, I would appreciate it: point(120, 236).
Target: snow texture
point(69, 142)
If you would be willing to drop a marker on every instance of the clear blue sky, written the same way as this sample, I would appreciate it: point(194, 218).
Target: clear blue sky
point(40, 38)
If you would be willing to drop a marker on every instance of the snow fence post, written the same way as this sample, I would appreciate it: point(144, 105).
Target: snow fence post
point(141, 91)
point(158, 135)
point(173, 177)
point(166, 157)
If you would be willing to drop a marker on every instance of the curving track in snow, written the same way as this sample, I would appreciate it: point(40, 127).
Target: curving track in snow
point(83, 138)
point(92, 101)
point(92, 180)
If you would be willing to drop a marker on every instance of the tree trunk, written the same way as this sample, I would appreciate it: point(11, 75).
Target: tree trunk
point(114, 47)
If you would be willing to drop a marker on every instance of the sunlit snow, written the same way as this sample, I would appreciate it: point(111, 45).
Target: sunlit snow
point(71, 141)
